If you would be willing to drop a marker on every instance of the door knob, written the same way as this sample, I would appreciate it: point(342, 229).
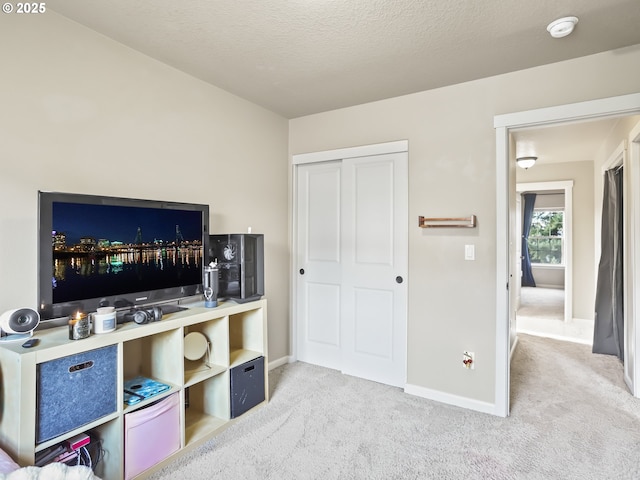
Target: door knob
point(399, 279)
point(302, 271)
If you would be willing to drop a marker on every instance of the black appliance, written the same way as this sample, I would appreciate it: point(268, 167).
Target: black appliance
point(240, 259)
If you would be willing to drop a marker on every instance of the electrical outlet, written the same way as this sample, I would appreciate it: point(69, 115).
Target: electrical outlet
point(469, 360)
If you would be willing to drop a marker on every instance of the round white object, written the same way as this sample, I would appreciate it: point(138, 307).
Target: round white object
point(562, 27)
point(195, 346)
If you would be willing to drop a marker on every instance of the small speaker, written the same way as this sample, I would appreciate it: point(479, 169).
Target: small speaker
point(18, 324)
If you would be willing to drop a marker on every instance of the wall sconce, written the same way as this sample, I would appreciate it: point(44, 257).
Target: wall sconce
point(526, 162)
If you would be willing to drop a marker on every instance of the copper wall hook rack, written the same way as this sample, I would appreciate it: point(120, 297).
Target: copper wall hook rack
point(450, 222)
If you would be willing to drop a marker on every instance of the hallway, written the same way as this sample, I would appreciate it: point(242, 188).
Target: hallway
point(541, 313)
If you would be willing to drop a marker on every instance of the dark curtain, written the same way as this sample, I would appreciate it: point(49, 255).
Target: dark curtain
point(527, 274)
point(608, 333)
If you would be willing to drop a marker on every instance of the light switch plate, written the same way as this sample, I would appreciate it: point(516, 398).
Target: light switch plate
point(469, 252)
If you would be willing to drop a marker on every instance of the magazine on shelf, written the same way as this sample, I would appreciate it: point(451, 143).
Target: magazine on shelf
point(140, 388)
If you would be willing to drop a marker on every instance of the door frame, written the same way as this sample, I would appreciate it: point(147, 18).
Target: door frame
point(567, 187)
point(399, 146)
point(632, 274)
point(503, 124)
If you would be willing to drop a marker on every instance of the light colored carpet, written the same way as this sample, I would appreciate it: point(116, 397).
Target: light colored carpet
point(541, 312)
point(572, 418)
point(542, 302)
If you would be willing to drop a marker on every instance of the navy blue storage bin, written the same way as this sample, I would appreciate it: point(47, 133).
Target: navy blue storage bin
point(75, 390)
point(247, 386)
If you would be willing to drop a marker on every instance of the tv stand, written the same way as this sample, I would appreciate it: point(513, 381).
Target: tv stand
point(237, 334)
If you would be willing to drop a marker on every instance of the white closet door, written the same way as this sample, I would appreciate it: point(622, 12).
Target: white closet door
point(319, 264)
point(374, 267)
point(351, 290)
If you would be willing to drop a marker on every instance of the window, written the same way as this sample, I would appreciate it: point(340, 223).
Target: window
point(546, 237)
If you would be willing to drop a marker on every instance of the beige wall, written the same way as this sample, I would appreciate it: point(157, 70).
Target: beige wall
point(619, 134)
point(549, 277)
point(81, 113)
point(583, 224)
point(452, 172)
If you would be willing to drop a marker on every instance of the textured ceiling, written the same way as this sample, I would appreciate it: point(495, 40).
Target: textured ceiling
point(299, 57)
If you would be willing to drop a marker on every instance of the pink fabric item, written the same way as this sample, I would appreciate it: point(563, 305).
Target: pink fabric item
point(151, 435)
point(7, 465)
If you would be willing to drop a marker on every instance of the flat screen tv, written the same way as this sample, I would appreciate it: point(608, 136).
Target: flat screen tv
point(103, 251)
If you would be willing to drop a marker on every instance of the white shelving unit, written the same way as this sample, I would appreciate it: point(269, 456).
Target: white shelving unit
point(237, 333)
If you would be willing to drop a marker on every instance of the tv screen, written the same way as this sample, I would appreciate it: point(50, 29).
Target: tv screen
point(102, 251)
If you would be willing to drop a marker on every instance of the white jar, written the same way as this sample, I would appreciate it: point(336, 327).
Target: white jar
point(104, 322)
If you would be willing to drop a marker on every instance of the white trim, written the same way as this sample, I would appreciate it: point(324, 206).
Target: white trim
point(632, 280)
point(621, 105)
point(616, 158)
point(293, 303)
point(503, 334)
point(399, 146)
point(513, 348)
point(567, 257)
point(544, 285)
point(280, 361)
point(548, 266)
point(450, 399)
point(557, 185)
point(589, 110)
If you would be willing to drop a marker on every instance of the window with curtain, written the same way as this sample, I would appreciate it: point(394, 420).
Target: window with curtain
point(546, 237)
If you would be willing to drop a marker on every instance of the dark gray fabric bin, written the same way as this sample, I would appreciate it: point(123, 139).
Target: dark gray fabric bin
point(247, 386)
point(75, 390)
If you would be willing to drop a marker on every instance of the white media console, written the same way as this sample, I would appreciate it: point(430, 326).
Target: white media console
point(237, 334)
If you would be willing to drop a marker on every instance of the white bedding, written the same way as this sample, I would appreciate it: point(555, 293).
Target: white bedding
point(52, 471)
point(10, 470)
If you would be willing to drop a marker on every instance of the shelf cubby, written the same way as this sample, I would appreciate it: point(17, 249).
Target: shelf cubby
point(110, 436)
point(246, 337)
point(154, 357)
point(216, 360)
point(76, 431)
point(207, 407)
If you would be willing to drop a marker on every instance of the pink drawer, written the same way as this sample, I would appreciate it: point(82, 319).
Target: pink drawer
point(151, 434)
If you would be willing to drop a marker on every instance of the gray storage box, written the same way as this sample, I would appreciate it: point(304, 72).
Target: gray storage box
point(75, 390)
point(247, 386)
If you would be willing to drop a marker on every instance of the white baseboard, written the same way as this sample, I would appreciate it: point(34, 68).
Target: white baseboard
point(513, 348)
point(576, 319)
point(450, 399)
point(280, 361)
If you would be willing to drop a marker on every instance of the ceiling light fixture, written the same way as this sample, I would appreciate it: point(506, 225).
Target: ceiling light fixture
point(562, 27)
point(526, 162)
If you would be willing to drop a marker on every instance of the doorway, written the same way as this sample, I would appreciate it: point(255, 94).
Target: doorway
point(546, 309)
point(351, 260)
point(505, 181)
